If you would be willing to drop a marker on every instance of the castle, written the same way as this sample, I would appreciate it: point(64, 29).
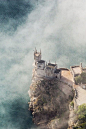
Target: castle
point(43, 70)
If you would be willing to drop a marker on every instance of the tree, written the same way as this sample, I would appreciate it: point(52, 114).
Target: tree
point(81, 78)
point(81, 113)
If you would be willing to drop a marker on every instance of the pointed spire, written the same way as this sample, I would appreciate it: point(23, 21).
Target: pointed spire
point(35, 49)
point(40, 51)
point(49, 61)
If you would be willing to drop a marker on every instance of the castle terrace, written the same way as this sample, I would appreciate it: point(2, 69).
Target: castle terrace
point(67, 77)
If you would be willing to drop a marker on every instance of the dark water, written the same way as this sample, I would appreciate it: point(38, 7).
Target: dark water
point(15, 114)
point(14, 83)
point(13, 13)
point(57, 27)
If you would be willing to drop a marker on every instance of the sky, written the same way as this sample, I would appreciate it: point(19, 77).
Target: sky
point(56, 27)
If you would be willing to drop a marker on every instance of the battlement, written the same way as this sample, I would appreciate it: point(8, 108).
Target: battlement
point(51, 66)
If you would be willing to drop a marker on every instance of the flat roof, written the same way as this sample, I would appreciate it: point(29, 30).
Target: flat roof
point(49, 64)
point(41, 61)
point(76, 69)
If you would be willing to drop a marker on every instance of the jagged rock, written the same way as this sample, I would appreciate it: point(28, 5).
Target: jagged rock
point(50, 103)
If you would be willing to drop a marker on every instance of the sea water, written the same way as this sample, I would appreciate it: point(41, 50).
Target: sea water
point(14, 80)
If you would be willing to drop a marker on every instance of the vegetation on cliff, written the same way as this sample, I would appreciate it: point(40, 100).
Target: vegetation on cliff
point(81, 113)
point(81, 78)
point(81, 117)
point(49, 104)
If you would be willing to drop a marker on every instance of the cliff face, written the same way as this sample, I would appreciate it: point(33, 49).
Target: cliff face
point(49, 102)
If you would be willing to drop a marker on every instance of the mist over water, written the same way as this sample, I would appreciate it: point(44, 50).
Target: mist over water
point(57, 27)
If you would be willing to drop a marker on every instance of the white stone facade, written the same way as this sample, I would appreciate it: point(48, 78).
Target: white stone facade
point(43, 70)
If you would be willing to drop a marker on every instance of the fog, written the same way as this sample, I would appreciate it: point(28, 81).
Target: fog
point(56, 27)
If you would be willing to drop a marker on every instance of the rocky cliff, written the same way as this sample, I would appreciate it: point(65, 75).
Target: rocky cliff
point(49, 103)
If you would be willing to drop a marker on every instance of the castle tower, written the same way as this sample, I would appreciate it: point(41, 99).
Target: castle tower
point(37, 56)
point(43, 69)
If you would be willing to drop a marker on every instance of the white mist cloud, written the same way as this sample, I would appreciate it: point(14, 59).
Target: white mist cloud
point(57, 27)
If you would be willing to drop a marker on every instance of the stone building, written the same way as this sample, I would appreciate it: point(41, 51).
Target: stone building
point(77, 70)
point(44, 70)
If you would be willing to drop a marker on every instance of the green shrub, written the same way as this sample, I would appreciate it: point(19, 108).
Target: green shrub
point(72, 103)
point(81, 78)
point(80, 126)
point(81, 113)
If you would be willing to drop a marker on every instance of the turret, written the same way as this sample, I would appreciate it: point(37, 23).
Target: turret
point(37, 56)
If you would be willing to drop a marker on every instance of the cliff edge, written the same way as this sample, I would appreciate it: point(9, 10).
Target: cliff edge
point(51, 94)
point(49, 103)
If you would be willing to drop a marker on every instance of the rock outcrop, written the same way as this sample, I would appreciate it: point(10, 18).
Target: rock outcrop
point(49, 103)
